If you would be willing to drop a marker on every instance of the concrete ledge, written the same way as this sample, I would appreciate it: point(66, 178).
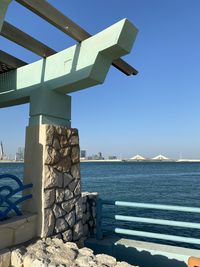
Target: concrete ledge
point(17, 230)
point(143, 253)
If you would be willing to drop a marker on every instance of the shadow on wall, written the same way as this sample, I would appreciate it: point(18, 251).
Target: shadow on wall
point(144, 258)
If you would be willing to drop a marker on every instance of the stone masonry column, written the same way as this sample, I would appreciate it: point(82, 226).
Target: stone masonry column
point(52, 164)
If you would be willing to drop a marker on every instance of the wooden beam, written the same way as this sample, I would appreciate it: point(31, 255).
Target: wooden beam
point(55, 17)
point(23, 39)
point(124, 67)
point(11, 61)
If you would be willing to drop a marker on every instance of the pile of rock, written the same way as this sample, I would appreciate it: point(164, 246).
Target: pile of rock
point(55, 253)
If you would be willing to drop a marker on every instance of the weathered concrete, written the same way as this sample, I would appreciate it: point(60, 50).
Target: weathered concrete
point(17, 230)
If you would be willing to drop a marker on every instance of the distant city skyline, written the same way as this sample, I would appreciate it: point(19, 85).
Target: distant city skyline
point(155, 112)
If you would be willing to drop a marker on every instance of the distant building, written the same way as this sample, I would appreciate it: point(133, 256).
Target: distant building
point(83, 154)
point(112, 157)
point(19, 156)
point(98, 156)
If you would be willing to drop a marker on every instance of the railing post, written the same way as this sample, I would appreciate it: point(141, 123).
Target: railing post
point(99, 234)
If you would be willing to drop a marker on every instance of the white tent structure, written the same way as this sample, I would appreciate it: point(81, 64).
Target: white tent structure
point(160, 158)
point(137, 158)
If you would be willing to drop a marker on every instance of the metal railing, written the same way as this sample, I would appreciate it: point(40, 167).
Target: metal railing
point(144, 220)
point(8, 191)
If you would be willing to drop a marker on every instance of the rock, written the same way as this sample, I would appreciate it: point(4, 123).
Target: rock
point(75, 154)
point(68, 205)
point(91, 223)
point(53, 178)
point(72, 245)
point(58, 236)
point(56, 144)
point(75, 170)
point(53, 252)
point(61, 225)
point(64, 152)
point(28, 261)
point(73, 184)
point(77, 190)
point(68, 194)
point(77, 231)
point(61, 130)
point(52, 157)
point(84, 198)
point(84, 207)
point(5, 256)
point(84, 218)
point(85, 230)
point(49, 222)
point(50, 130)
point(58, 211)
point(78, 209)
point(49, 198)
point(124, 264)
point(70, 218)
point(86, 252)
point(67, 179)
point(85, 261)
point(106, 260)
point(63, 141)
point(67, 235)
point(74, 140)
point(60, 193)
point(64, 164)
point(17, 257)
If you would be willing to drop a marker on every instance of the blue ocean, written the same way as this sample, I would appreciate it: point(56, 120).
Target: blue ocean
point(159, 183)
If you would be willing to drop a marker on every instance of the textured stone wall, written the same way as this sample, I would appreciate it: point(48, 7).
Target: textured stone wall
point(62, 202)
point(89, 202)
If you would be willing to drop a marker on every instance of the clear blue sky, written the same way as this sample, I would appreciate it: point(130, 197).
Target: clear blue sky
point(157, 111)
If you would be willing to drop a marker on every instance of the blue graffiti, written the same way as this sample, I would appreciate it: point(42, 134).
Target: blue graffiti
point(8, 200)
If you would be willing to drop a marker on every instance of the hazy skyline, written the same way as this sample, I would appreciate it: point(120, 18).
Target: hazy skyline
point(155, 112)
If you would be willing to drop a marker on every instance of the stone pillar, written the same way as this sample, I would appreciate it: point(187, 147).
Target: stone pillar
point(52, 164)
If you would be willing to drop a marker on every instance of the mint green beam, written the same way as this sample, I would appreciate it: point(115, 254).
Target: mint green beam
point(158, 236)
point(157, 221)
point(3, 9)
point(76, 68)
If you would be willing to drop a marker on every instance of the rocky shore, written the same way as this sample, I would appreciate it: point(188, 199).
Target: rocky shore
point(53, 252)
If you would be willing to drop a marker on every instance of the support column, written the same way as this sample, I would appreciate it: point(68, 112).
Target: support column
point(52, 164)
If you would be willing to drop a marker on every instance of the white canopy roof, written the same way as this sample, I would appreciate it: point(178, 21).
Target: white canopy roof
point(138, 157)
point(160, 157)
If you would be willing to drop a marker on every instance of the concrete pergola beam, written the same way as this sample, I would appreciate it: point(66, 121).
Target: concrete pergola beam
point(76, 68)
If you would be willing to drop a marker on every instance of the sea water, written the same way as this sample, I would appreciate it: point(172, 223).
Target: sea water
point(159, 183)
